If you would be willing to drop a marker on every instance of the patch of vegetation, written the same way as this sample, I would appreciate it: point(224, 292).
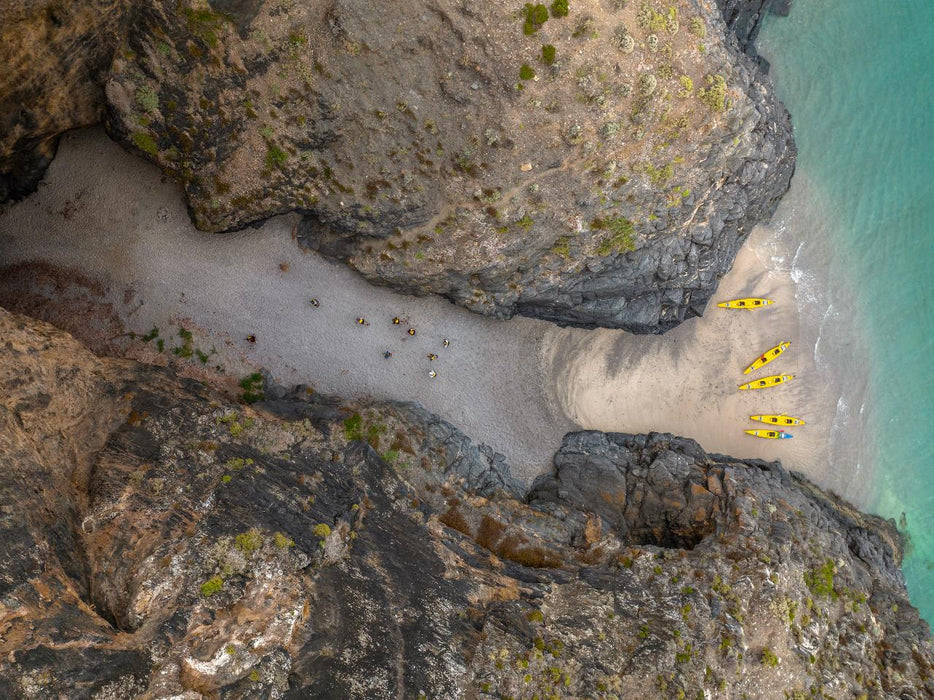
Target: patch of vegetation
point(697, 27)
point(147, 99)
point(185, 350)
point(205, 24)
point(620, 240)
point(548, 54)
point(586, 28)
point(526, 222)
point(622, 40)
point(526, 72)
point(659, 176)
point(252, 386)
point(254, 676)
point(154, 333)
point(713, 94)
point(464, 162)
point(535, 17)
point(769, 658)
point(654, 20)
point(248, 542)
point(211, 586)
point(687, 86)
point(562, 247)
point(353, 428)
point(559, 8)
point(820, 580)
point(321, 530)
point(275, 157)
point(647, 84)
point(145, 142)
point(281, 541)
point(238, 463)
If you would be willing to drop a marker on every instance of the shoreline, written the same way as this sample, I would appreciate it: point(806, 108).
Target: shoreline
point(686, 381)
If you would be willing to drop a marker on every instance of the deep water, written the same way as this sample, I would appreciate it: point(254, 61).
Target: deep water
point(858, 78)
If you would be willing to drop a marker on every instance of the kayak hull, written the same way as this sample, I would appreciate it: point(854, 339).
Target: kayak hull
point(766, 357)
point(781, 419)
point(769, 434)
point(767, 382)
point(746, 303)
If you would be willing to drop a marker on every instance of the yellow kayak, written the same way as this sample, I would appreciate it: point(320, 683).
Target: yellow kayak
point(778, 420)
point(766, 382)
point(767, 357)
point(770, 434)
point(747, 303)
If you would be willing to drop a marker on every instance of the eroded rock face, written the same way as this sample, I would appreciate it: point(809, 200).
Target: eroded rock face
point(594, 169)
point(54, 56)
point(160, 541)
point(607, 184)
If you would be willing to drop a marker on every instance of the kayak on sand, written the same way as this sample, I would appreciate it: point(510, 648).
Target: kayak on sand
point(770, 434)
point(767, 382)
point(766, 357)
point(778, 420)
point(747, 303)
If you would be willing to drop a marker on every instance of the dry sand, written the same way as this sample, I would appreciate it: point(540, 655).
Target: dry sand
point(112, 217)
point(517, 386)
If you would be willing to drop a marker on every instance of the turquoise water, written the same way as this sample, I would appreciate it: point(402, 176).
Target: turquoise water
point(858, 78)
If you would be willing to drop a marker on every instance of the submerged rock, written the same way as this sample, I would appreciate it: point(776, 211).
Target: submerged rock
point(161, 541)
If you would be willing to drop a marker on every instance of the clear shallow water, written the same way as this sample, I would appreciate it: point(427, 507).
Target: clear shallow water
point(858, 78)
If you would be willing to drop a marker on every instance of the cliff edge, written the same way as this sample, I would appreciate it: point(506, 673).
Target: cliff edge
point(161, 541)
point(589, 163)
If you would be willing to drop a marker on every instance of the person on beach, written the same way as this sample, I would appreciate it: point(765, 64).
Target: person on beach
point(362, 322)
point(251, 338)
point(445, 342)
point(411, 331)
point(432, 374)
point(314, 302)
point(432, 357)
point(387, 354)
point(396, 321)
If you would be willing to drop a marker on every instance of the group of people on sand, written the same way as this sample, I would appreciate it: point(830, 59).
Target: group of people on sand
point(396, 321)
point(387, 354)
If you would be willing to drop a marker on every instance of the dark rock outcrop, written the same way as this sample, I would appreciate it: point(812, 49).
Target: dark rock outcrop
point(612, 189)
point(744, 18)
point(160, 541)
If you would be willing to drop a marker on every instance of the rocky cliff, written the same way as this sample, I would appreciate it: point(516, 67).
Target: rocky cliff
point(55, 56)
point(592, 163)
point(161, 541)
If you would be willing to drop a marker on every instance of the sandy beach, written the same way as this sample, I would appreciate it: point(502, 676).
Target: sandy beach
point(517, 385)
point(686, 381)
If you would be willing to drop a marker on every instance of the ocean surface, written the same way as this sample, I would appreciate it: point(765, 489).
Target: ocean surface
point(858, 78)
